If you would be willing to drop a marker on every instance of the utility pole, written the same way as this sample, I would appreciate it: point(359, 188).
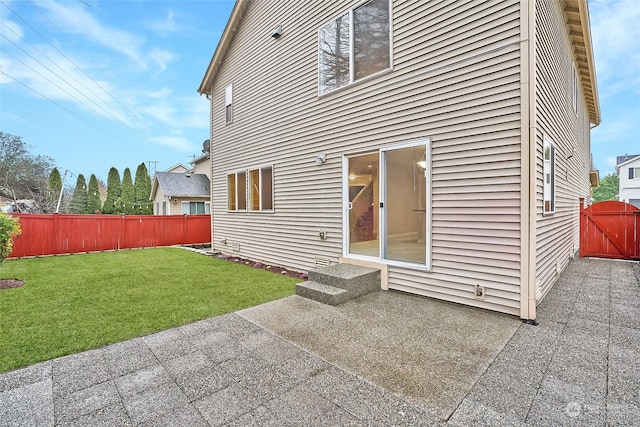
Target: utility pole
point(61, 190)
point(155, 163)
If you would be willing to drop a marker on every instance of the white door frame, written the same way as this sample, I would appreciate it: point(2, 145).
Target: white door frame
point(382, 211)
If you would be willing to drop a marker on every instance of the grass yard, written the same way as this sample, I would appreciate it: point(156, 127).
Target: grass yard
point(78, 302)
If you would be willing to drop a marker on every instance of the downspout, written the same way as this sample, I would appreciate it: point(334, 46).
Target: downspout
point(527, 162)
point(211, 210)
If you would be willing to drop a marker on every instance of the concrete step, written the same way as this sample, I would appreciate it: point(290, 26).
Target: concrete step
point(356, 279)
point(336, 284)
point(325, 294)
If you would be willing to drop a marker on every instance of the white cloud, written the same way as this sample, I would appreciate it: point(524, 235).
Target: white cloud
point(160, 93)
point(615, 33)
point(176, 142)
point(12, 31)
point(164, 25)
point(76, 20)
point(162, 58)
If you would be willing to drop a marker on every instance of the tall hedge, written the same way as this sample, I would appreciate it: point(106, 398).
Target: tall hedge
point(79, 202)
point(142, 189)
point(114, 189)
point(127, 196)
point(94, 204)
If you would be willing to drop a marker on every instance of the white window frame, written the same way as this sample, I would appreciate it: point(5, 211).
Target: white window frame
point(635, 174)
point(548, 176)
point(237, 190)
point(352, 79)
point(228, 104)
point(206, 206)
point(249, 199)
point(382, 218)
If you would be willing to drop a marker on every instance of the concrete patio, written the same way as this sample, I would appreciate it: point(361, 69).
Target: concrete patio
point(384, 359)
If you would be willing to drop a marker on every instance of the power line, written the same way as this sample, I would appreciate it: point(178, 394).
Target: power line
point(63, 70)
point(98, 84)
point(59, 105)
point(55, 84)
point(65, 56)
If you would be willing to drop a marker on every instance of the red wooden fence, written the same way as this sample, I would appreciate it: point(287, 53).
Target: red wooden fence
point(52, 234)
point(610, 230)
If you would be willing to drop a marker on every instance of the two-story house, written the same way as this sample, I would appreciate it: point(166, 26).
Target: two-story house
point(628, 169)
point(447, 142)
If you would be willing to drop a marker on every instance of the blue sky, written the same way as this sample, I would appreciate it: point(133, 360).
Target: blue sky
point(95, 84)
point(100, 83)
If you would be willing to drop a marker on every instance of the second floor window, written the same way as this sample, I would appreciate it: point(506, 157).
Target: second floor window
point(634, 173)
point(228, 104)
point(355, 45)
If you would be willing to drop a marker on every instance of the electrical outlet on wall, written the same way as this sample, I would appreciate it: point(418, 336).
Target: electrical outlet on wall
point(479, 292)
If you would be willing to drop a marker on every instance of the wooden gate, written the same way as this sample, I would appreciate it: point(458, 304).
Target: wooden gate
point(610, 230)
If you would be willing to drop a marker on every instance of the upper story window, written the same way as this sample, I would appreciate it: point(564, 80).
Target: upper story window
point(355, 45)
point(228, 104)
point(634, 173)
point(549, 176)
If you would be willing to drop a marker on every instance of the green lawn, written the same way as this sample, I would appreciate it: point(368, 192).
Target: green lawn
point(78, 302)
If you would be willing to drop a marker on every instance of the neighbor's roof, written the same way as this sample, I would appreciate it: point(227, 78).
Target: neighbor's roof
point(225, 41)
point(181, 184)
point(178, 168)
point(580, 34)
point(627, 158)
point(577, 13)
point(200, 159)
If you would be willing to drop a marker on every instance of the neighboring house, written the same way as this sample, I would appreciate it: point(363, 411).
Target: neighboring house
point(628, 168)
point(446, 143)
point(202, 164)
point(179, 168)
point(180, 193)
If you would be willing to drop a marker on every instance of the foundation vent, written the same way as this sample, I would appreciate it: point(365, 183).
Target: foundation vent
point(322, 262)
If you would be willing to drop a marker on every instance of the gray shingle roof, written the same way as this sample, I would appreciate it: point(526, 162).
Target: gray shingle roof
point(625, 158)
point(183, 184)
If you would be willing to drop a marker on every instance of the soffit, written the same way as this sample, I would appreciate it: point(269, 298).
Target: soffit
point(577, 14)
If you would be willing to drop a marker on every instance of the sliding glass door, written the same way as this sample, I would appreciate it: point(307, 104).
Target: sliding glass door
point(388, 205)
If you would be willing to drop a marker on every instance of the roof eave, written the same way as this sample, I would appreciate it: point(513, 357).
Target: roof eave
point(224, 43)
point(577, 12)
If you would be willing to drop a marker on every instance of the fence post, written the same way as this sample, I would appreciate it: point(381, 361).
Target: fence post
point(56, 234)
point(121, 231)
point(583, 224)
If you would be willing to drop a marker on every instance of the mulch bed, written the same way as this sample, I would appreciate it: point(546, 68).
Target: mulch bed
point(267, 267)
point(10, 283)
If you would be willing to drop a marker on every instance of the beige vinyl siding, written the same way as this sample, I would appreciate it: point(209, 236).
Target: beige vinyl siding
point(558, 234)
point(455, 80)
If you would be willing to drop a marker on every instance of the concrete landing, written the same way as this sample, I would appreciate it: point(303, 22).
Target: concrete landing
point(337, 284)
point(429, 352)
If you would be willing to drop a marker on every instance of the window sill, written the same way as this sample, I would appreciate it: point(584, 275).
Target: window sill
point(355, 83)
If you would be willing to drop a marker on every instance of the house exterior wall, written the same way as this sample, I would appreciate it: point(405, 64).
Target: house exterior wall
point(203, 167)
point(629, 189)
point(174, 205)
point(455, 80)
point(557, 234)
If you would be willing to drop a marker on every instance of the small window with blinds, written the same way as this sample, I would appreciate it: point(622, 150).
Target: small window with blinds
point(228, 104)
point(549, 176)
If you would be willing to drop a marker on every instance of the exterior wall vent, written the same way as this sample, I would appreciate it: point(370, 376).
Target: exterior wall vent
point(322, 262)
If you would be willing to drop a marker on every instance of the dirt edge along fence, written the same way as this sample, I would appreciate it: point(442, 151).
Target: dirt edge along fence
point(53, 234)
